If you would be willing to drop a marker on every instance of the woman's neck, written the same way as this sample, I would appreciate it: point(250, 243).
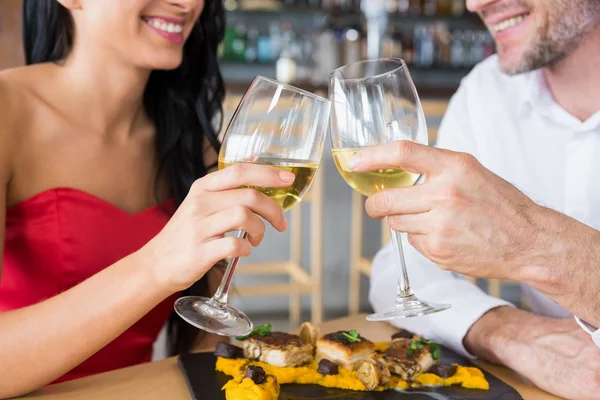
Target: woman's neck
point(105, 92)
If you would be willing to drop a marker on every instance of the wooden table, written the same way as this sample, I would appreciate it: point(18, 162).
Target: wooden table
point(163, 380)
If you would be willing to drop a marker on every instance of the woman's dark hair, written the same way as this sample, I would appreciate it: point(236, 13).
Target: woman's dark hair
point(184, 104)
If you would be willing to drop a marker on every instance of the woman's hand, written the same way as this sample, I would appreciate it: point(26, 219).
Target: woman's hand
point(193, 240)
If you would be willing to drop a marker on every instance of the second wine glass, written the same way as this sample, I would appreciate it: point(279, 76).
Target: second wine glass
point(375, 102)
point(278, 125)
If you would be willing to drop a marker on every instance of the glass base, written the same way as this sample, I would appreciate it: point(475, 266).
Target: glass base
point(221, 320)
point(408, 307)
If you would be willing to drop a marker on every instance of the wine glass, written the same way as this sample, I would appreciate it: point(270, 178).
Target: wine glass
point(275, 124)
point(375, 102)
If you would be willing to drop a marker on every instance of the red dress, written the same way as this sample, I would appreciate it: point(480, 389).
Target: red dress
point(61, 237)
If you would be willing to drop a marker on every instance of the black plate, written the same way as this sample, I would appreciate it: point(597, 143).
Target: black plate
point(205, 383)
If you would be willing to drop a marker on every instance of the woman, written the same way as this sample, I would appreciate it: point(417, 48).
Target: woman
point(108, 210)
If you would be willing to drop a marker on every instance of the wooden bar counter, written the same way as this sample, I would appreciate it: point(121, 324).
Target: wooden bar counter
point(163, 379)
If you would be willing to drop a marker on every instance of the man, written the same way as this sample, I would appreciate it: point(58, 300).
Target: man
point(530, 115)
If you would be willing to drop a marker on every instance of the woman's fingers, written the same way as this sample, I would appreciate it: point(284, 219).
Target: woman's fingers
point(232, 219)
point(208, 204)
point(244, 174)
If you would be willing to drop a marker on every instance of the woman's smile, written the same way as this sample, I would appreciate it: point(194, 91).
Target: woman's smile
point(167, 27)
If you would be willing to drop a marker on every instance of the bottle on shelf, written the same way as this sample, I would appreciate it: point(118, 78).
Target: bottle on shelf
point(414, 7)
point(468, 47)
point(264, 54)
point(429, 7)
point(458, 8)
point(275, 39)
point(424, 47)
point(478, 47)
point(444, 7)
point(403, 6)
point(285, 68)
point(251, 53)
point(457, 58)
point(391, 6)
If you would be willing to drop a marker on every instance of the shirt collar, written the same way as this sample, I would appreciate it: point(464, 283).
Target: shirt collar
point(537, 97)
point(533, 85)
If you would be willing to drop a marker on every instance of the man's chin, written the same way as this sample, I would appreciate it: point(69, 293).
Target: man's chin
point(513, 65)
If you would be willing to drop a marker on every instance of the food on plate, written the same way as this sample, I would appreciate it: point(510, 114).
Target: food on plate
point(309, 333)
point(327, 367)
point(346, 348)
point(227, 350)
point(254, 385)
point(443, 370)
point(256, 373)
point(373, 372)
point(409, 358)
point(403, 334)
point(344, 360)
point(279, 349)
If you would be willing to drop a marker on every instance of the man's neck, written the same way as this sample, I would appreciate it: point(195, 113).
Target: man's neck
point(575, 82)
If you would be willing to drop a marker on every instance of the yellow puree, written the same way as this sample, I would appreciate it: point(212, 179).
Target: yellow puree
point(248, 390)
point(467, 377)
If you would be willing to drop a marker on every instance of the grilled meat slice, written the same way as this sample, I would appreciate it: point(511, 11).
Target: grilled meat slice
point(350, 355)
point(279, 349)
point(407, 366)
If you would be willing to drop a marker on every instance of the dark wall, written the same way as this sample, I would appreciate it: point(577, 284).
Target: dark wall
point(11, 53)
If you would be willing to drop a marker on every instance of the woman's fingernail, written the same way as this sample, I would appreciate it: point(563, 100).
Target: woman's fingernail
point(287, 176)
point(353, 162)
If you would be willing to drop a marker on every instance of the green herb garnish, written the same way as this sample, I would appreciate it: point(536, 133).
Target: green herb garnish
point(415, 345)
point(263, 330)
point(351, 336)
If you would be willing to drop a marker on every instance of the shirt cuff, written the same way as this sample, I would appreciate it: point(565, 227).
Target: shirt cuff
point(593, 331)
point(468, 304)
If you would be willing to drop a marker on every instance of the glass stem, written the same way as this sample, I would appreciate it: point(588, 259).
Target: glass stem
point(404, 289)
point(219, 300)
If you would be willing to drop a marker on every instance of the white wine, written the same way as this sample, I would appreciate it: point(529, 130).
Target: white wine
point(286, 197)
point(369, 183)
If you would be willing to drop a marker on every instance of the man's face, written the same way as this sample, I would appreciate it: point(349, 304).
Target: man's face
point(532, 34)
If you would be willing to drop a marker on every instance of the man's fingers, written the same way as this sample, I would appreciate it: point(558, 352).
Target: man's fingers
point(409, 200)
point(411, 156)
point(411, 223)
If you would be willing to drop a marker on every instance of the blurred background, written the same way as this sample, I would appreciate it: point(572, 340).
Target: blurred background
point(321, 264)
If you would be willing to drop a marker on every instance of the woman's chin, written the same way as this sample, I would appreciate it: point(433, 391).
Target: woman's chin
point(166, 63)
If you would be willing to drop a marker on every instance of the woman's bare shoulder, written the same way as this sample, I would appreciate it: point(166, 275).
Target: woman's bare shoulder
point(18, 95)
point(17, 102)
point(21, 81)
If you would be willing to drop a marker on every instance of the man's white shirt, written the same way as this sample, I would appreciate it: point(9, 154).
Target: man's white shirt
point(513, 126)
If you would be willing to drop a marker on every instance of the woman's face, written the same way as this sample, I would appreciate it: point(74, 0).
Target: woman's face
point(147, 33)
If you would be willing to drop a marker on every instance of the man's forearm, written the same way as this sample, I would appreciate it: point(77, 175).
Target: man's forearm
point(563, 263)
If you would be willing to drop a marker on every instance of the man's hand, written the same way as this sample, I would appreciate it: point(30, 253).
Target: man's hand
point(555, 354)
point(463, 217)
point(469, 220)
